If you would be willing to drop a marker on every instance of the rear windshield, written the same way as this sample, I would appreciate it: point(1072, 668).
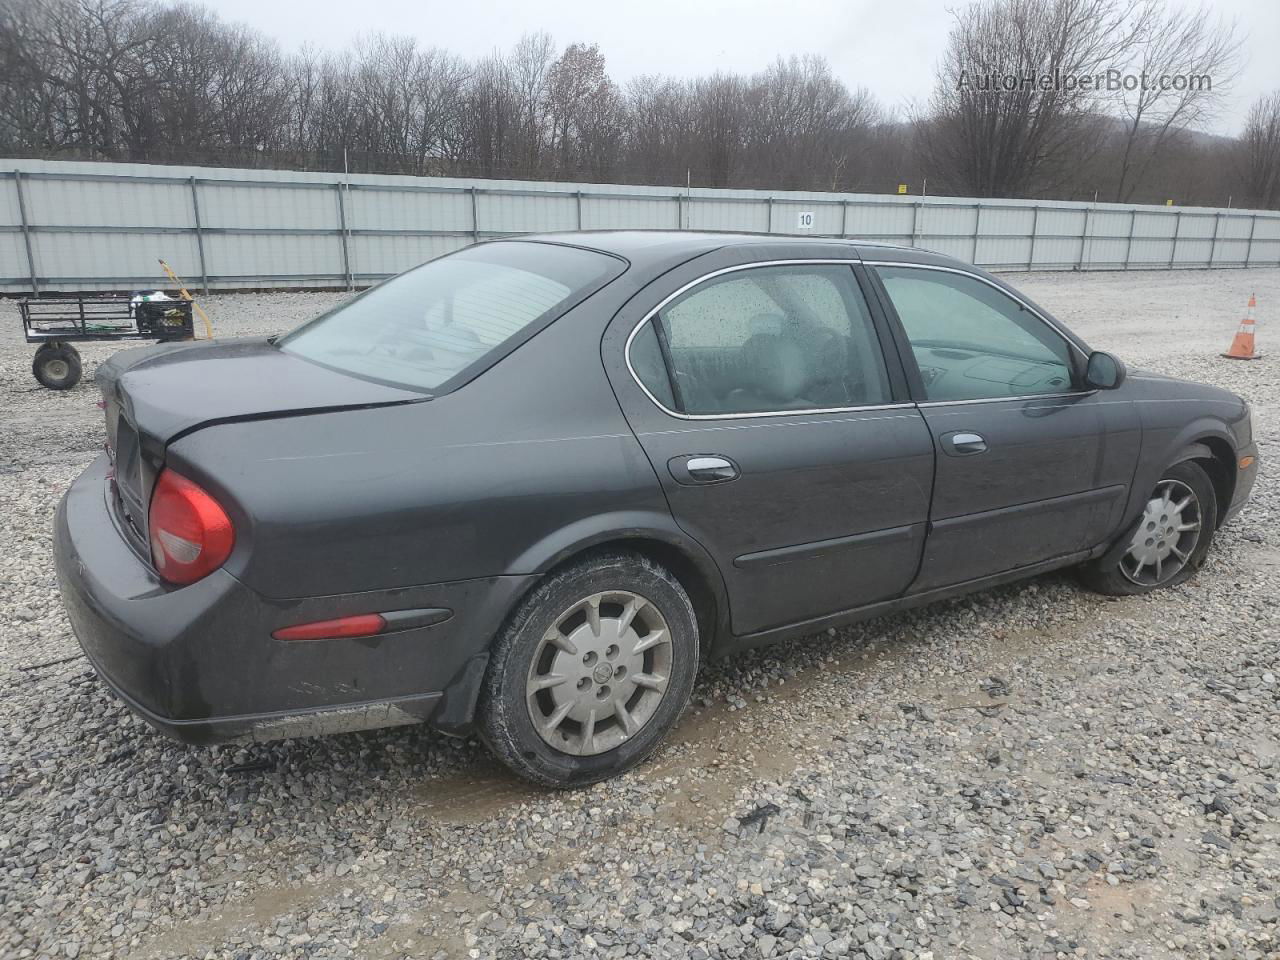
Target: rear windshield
point(429, 325)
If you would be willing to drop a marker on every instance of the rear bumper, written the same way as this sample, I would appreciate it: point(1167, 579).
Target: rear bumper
point(199, 662)
point(306, 722)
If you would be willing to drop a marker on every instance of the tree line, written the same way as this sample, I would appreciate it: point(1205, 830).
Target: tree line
point(146, 81)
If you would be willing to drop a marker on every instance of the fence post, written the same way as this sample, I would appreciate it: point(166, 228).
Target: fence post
point(769, 226)
point(578, 197)
point(1213, 246)
point(342, 231)
point(195, 210)
point(977, 229)
point(1084, 239)
point(844, 218)
point(915, 221)
point(679, 211)
point(1035, 229)
point(1128, 246)
point(1248, 250)
point(26, 232)
point(1177, 232)
point(475, 215)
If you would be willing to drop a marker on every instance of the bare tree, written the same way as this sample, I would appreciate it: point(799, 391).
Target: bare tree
point(528, 73)
point(441, 80)
point(1175, 79)
point(719, 106)
point(1008, 110)
point(659, 130)
point(165, 81)
point(27, 109)
point(302, 86)
point(1261, 148)
point(209, 85)
point(805, 128)
point(95, 51)
point(583, 113)
point(491, 117)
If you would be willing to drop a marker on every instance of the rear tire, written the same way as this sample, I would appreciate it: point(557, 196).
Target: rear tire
point(547, 709)
point(1171, 542)
point(57, 366)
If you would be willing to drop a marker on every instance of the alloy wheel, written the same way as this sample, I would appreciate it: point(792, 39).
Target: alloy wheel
point(599, 673)
point(1166, 537)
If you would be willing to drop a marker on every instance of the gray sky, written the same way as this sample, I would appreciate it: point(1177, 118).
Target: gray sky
point(889, 46)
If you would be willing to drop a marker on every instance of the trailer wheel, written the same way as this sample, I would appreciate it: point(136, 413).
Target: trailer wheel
point(57, 366)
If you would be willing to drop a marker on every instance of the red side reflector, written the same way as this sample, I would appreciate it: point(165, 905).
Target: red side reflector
point(361, 625)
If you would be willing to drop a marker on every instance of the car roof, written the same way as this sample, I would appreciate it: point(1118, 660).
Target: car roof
point(639, 245)
point(657, 250)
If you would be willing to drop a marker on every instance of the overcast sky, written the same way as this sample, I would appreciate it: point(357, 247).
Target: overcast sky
point(889, 46)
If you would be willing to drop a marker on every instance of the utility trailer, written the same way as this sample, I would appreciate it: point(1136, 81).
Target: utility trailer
point(58, 322)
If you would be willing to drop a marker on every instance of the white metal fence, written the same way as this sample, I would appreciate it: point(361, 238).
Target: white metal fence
point(86, 226)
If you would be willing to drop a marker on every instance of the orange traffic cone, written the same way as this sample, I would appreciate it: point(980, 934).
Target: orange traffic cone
point(1242, 345)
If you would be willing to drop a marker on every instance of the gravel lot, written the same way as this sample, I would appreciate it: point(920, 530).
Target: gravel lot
point(1030, 772)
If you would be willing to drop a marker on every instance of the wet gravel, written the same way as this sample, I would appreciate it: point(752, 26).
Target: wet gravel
point(1030, 772)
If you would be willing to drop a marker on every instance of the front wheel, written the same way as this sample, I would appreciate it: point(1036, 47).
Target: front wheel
point(1171, 540)
point(591, 673)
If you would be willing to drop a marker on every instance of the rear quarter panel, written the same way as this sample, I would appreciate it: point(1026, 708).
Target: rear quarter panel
point(494, 478)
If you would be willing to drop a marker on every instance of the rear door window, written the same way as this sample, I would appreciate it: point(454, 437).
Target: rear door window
point(764, 340)
point(427, 329)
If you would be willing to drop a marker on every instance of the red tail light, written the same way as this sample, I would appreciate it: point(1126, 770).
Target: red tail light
point(191, 535)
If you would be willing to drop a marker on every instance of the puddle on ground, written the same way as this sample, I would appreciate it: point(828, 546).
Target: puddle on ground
point(712, 755)
point(701, 765)
point(260, 909)
point(474, 795)
point(1260, 555)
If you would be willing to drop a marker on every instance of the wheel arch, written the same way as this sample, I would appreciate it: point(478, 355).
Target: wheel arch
point(1217, 456)
point(650, 535)
point(1205, 440)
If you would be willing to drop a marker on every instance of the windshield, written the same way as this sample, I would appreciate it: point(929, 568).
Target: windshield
point(428, 325)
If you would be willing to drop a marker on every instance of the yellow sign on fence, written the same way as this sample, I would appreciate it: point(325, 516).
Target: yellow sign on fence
point(902, 188)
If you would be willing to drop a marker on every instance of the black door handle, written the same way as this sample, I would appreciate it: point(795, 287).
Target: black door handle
point(703, 468)
point(963, 443)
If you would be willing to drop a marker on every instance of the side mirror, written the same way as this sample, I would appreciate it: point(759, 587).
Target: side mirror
point(1104, 371)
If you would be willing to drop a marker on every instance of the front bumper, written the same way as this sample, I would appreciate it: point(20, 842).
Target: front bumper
point(199, 662)
point(1245, 479)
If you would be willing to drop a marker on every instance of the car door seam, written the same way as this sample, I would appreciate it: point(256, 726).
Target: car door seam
point(814, 549)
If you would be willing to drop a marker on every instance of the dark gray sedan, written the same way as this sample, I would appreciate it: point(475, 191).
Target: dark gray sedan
point(523, 490)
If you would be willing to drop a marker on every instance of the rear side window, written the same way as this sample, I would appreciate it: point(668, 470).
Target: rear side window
point(433, 324)
point(765, 340)
point(647, 362)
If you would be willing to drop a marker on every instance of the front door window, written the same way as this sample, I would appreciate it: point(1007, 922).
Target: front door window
point(972, 341)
